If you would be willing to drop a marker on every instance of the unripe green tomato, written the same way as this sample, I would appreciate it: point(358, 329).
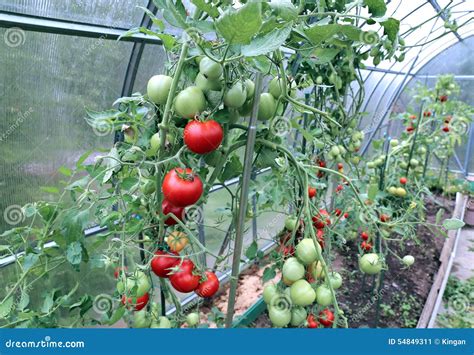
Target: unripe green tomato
point(235, 96)
point(291, 223)
point(392, 190)
point(162, 322)
point(269, 292)
point(408, 260)
point(298, 316)
point(267, 107)
point(141, 319)
point(192, 319)
point(246, 108)
point(149, 187)
point(154, 143)
point(401, 192)
point(293, 270)
point(323, 296)
point(319, 80)
point(279, 317)
point(190, 102)
point(370, 264)
point(403, 165)
point(394, 142)
point(422, 150)
point(275, 87)
point(198, 58)
point(414, 163)
point(136, 285)
point(158, 88)
point(210, 69)
point(377, 60)
point(307, 251)
point(335, 279)
point(250, 86)
point(370, 164)
point(355, 159)
point(206, 84)
point(334, 151)
point(301, 293)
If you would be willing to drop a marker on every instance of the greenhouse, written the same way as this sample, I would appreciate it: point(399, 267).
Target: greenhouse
point(226, 164)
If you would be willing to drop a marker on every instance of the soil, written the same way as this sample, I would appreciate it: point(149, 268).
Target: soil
point(401, 298)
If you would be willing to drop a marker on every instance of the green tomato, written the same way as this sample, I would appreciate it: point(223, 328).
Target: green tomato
point(403, 165)
point(149, 187)
point(394, 142)
point(246, 109)
point(392, 190)
point(250, 86)
point(291, 223)
point(319, 80)
point(269, 292)
point(323, 296)
point(136, 285)
point(370, 165)
point(370, 264)
point(414, 163)
point(206, 84)
point(293, 270)
point(335, 279)
point(162, 322)
point(301, 293)
point(307, 251)
point(298, 316)
point(192, 319)
point(400, 192)
point(158, 88)
point(209, 68)
point(190, 102)
point(267, 107)
point(155, 143)
point(141, 319)
point(279, 317)
point(408, 260)
point(235, 97)
point(275, 87)
point(334, 151)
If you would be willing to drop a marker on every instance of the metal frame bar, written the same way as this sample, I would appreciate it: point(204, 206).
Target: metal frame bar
point(439, 10)
point(71, 28)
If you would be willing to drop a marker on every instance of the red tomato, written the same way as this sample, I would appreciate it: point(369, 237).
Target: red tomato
point(312, 323)
point(403, 180)
point(181, 187)
point(119, 270)
point(311, 192)
point(410, 129)
point(446, 129)
point(203, 137)
point(340, 166)
point(168, 208)
point(319, 221)
point(364, 235)
point(339, 188)
point(209, 287)
point(162, 263)
point(384, 218)
point(412, 117)
point(366, 246)
point(443, 98)
point(346, 215)
point(337, 212)
point(286, 250)
point(427, 114)
point(138, 303)
point(320, 237)
point(326, 317)
point(184, 280)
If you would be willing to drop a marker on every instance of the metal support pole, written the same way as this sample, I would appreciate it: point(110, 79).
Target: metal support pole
point(467, 158)
point(239, 234)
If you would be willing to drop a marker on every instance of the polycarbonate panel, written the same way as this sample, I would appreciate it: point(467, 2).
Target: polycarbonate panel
point(152, 63)
point(111, 13)
point(46, 84)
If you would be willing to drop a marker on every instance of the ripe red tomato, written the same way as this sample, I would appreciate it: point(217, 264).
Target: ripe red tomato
point(326, 317)
point(346, 215)
point(209, 287)
point(384, 218)
point(427, 114)
point(138, 303)
point(443, 98)
point(340, 166)
point(286, 250)
point(366, 246)
point(403, 180)
point(337, 212)
point(203, 137)
point(162, 263)
point(364, 235)
point(412, 117)
point(320, 237)
point(168, 208)
point(184, 280)
point(319, 221)
point(446, 129)
point(312, 323)
point(181, 187)
point(311, 192)
point(410, 129)
point(339, 188)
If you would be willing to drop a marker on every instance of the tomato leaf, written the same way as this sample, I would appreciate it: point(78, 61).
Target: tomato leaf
point(206, 7)
point(284, 9)
point(267, 43)
point(239, 26)
point(324, 55)
point(232, 169)
point(268, 274)
point(376, 7)
point(318, 34)
point(74, 253)
point(372, 191)
point(391, 28)
point(453, 223)
point(251, 251)
point(118, 314)
point(6, 307)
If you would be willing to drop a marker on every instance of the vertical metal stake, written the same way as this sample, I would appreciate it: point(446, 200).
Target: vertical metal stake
point(239, 233)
